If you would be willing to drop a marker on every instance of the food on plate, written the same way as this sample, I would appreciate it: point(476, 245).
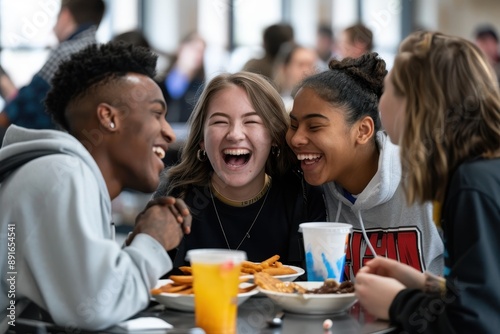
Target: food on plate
point(271, 266)
point(268, 282)
point(182, 279)
point(186, 270)
point(184, 285)
point(330, 286)
point(184, 289)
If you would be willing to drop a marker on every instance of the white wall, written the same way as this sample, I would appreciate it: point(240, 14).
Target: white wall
point(458, 17)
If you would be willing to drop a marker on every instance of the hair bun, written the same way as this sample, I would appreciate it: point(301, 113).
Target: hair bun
point(369, 70)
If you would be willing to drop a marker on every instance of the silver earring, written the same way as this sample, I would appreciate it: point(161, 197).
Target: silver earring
point(112, 125)
point(201, 155)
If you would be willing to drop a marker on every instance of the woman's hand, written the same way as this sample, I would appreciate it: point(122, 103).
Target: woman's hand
point(380, 280)
point(406, 275)
point(376, 293)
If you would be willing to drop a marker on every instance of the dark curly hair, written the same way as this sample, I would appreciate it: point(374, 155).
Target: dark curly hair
point(96, 64)
point(354, 84)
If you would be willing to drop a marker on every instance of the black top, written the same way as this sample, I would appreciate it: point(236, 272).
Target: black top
point(290, 202)
point(471, 227)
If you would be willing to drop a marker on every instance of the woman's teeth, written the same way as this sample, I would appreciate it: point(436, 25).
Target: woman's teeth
point(160, 152)
point(308, 156)
point(236, 151)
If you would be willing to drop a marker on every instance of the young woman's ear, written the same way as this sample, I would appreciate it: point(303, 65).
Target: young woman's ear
point(365, 130)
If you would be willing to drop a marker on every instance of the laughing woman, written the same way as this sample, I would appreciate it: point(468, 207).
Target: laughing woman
point(237, 174)
point(336, 132)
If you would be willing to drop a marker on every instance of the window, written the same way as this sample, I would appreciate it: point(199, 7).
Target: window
point(26, 35)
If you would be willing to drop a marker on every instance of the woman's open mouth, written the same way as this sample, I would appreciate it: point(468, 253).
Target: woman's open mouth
point(236, 157)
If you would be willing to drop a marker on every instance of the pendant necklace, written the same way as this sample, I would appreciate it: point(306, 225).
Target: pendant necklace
point(247, 234)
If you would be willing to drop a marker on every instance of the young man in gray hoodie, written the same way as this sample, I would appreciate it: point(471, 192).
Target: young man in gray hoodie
point(55, 209)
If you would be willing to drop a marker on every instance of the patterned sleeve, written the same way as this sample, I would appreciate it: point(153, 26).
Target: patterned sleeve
point(27, 109)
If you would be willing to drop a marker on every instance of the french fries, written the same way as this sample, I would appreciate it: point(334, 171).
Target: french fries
point(268, 282)
point(271, 266)
point(183, 284)
point(184, 289)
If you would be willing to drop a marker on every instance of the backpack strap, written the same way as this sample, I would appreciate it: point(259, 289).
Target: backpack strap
point(16, 161)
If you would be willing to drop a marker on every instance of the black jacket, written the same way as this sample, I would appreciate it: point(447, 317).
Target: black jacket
point(471, 227)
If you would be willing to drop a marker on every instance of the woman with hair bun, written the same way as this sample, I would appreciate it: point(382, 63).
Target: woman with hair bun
point(335, 132)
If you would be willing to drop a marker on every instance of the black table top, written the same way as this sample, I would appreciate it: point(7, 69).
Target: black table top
point(252, 318)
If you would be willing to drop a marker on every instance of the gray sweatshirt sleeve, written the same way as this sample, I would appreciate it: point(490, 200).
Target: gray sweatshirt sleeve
point(67, 263)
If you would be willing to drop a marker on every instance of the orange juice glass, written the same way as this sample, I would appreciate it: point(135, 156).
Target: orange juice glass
point(216, 275)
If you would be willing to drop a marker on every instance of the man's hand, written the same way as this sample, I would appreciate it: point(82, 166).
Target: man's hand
point(166, 219)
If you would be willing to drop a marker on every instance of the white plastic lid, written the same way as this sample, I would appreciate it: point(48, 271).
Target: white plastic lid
point(214, 255)
point(340, 227)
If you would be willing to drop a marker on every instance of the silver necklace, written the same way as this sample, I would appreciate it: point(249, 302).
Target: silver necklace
point(247, 235)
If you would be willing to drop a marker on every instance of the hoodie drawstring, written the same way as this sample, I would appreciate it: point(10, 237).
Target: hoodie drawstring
point(338, 211)
point(364, 234)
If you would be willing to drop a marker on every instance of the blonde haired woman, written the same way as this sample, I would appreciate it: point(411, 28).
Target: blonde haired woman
point(441, 104)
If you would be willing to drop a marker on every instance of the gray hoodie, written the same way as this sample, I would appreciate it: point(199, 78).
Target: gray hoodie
point(395, 230)
point(55, 220)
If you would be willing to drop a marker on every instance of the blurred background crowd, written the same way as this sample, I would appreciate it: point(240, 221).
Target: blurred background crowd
point(285, 40)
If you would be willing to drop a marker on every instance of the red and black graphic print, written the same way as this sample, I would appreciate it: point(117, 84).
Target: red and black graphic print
point(403, 244)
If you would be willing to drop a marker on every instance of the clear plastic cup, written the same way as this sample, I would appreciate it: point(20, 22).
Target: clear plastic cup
point(216, 278)
point(325, 246)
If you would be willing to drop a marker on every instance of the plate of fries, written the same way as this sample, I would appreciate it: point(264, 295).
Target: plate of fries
point(272, 266)
point(293, 273)
point(177, 294)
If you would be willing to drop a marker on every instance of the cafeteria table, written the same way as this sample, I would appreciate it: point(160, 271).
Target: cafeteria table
point(252, 318)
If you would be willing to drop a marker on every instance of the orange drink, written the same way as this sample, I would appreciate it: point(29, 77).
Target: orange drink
point(216, 275)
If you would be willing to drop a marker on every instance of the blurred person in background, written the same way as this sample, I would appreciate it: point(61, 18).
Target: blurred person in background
point(7, 87)
point(7, 91)
point(293, 63)
point(486, 38)
point(355, 41)
point(325, 45)
point(184, 77)
point(134, 37)
point(76, 27)
point(273, 37)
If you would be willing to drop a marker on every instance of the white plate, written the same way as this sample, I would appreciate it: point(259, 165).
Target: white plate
point(182, 302)
point(284, 278)
point(310, 303)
